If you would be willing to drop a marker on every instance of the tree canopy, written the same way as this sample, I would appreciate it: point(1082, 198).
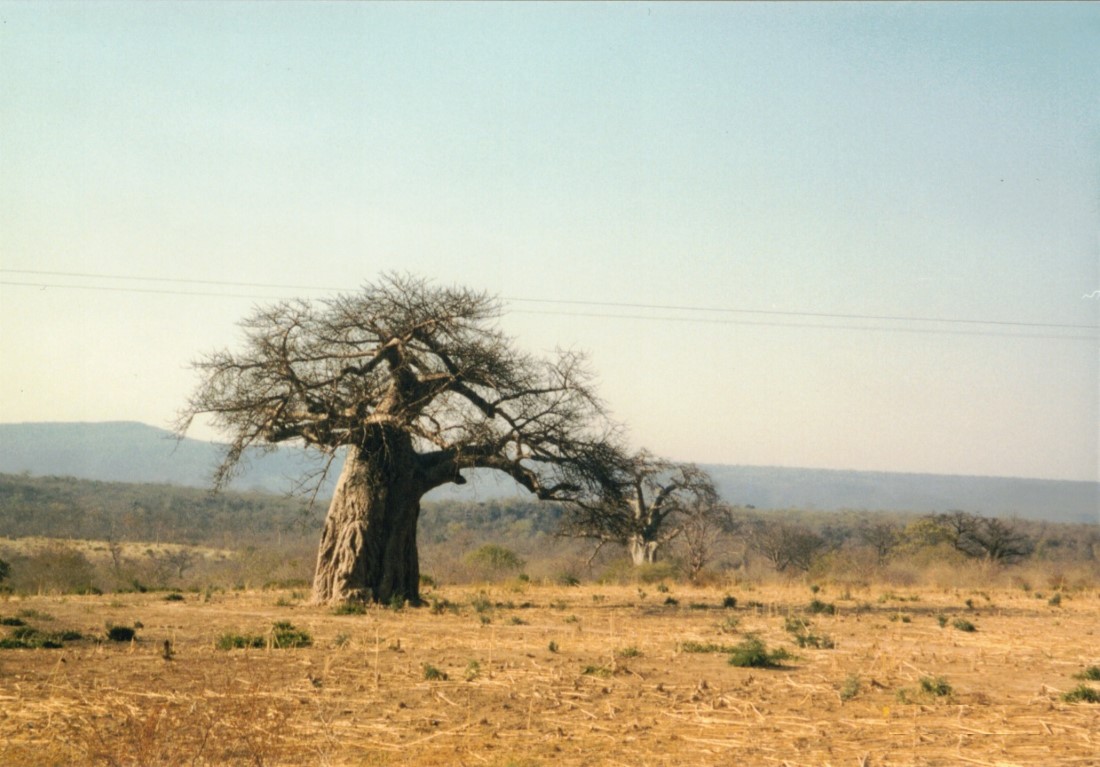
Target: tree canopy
point(425, 360)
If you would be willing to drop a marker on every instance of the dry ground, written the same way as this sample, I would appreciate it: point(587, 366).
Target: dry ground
point(557, 676)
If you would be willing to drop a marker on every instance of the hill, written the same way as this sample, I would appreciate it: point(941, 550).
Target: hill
point(134, 452)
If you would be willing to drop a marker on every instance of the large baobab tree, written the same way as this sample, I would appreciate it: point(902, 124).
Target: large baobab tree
point(415, 383)
point(651, 502)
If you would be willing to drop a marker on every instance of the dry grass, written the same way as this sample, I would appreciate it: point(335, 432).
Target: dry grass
point(616, 687)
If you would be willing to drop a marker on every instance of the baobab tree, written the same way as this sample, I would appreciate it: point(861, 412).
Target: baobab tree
point(415, 383)
point(647, 509)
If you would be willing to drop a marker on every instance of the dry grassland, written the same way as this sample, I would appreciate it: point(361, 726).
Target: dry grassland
point(558, 676)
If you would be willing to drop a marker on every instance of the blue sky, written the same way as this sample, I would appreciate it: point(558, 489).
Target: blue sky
point(869, 160)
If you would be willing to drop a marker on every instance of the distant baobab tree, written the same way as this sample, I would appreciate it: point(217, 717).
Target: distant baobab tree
point(654, 501)
point(416, 384)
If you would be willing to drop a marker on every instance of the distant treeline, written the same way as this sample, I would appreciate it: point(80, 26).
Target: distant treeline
point(273, 537)
point(64, 507)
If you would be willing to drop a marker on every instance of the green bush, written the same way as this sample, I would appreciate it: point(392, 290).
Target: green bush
point(432, 674)
point(752, 653)
point(937, 686)
point(1092, 673)
point(1082, 693)
point(495, 559)
point(962, 624)
point(285, 635)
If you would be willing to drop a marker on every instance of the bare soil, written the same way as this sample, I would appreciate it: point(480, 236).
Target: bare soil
point(531, 675)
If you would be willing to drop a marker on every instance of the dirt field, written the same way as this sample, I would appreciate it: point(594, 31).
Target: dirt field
point(539, 675)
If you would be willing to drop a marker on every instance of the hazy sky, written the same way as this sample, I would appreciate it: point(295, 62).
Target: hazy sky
point(755, 167)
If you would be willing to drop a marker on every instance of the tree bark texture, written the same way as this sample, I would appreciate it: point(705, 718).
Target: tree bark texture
point(368, 546)
point(642, 552)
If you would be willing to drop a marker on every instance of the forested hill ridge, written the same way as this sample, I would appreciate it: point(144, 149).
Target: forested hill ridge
point(138, 453)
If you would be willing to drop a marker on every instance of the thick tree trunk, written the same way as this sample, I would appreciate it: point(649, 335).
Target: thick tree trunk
point(642, 552)
point(368, 545)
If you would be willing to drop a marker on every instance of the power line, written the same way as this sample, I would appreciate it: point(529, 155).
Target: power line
point(816, 326)
point(176, 280)
point(114, 289)
point(573, 302)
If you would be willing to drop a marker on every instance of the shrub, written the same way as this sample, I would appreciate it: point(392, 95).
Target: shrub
point(481, 603)
point(962, 624)
point(813, 640)
point(231, 641)
point(349, 608)
point(175, 596)
point(121, 633)
point(1092, 673)
point(600, 671)
point(1082, 693)
point(826, 608)
point(850, 688)
point(937, 686)
point(729, 602)
point(439, 606)
point(495, 559)
point(752, 653)
point(432, 674)
point(285, 635)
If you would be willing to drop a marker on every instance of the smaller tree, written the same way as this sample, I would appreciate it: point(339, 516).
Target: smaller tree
point(644, 506)
point(881, 537)
point(984, 537)
point(785, 544)
point(704, 523)
point(495, 559)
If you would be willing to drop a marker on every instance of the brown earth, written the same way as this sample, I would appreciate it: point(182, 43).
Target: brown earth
point(547, 675)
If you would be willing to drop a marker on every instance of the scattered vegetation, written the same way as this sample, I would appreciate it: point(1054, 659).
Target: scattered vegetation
point(283, 635)
point(692, 646)
point(272, 541)
point(29, 638)
point(850, 688)
point(433, 674)
point(936, 686)
point(1082, 693)
point(1091, 673)
point(752, 652)
point(962, 624)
